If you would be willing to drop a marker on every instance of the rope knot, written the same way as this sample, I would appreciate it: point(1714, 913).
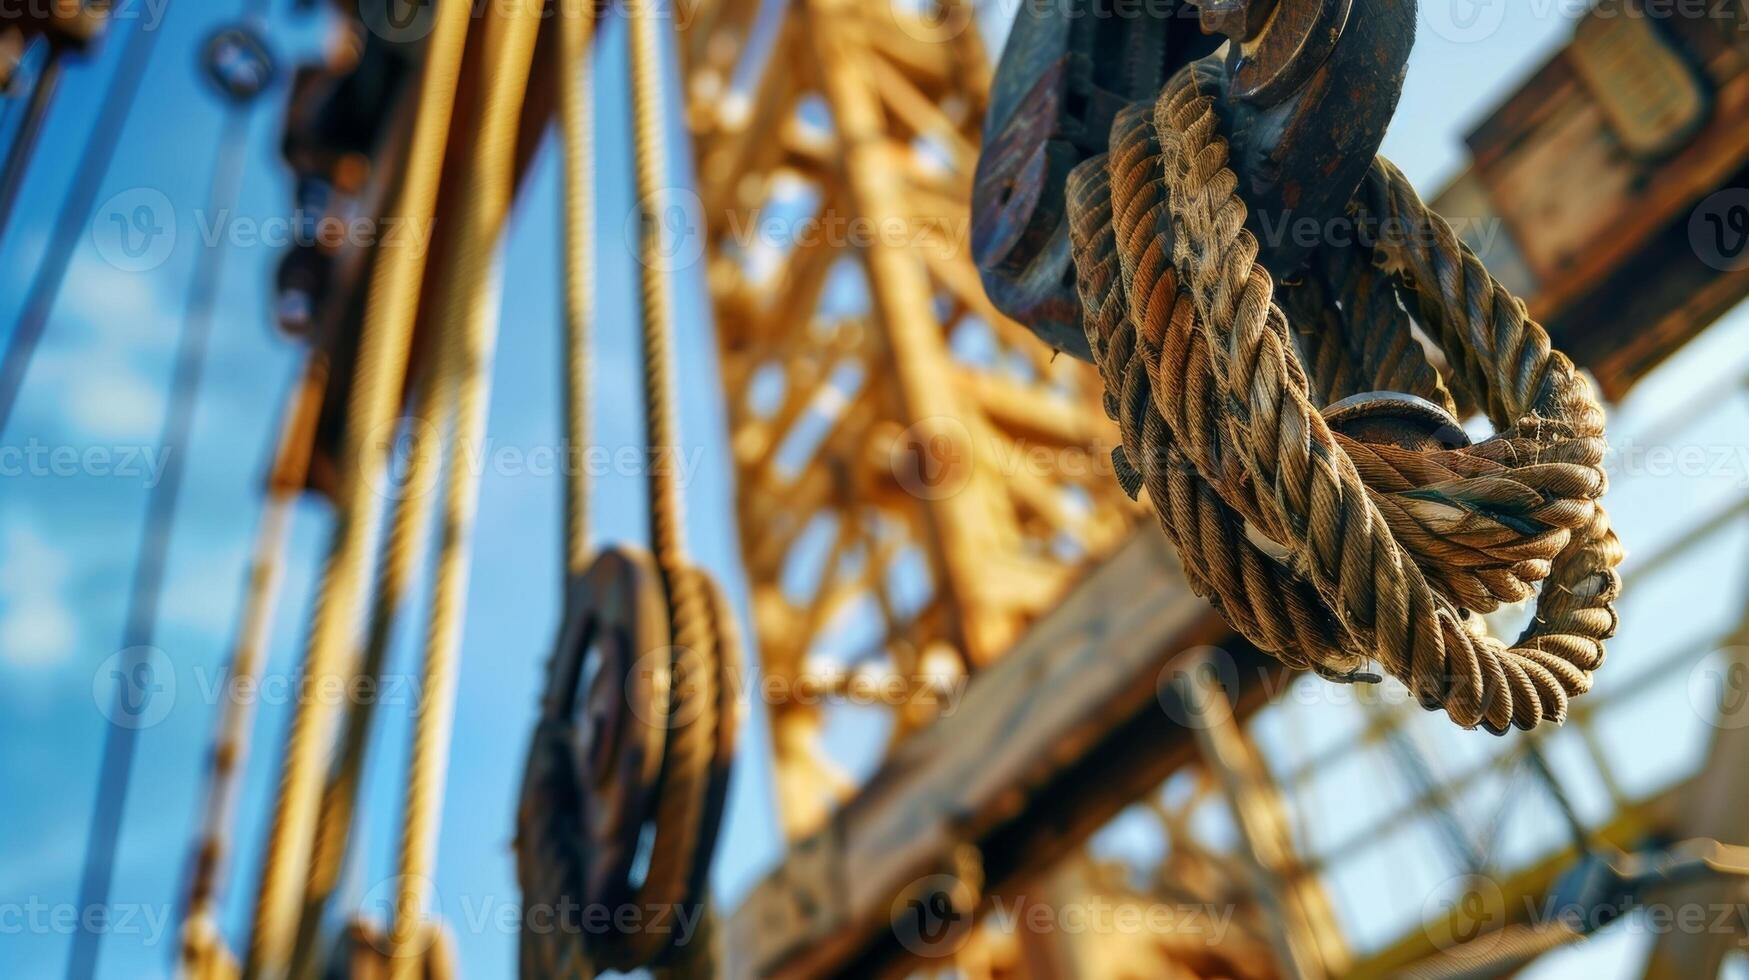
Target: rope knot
point(1336, 533)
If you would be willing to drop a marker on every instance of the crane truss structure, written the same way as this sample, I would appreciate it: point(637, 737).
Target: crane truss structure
point(919, 478)
point(886, 419)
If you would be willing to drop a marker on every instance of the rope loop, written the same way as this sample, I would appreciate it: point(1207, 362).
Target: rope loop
point(1332, 549)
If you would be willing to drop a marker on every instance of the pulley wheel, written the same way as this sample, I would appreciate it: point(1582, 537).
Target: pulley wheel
point(596, 757)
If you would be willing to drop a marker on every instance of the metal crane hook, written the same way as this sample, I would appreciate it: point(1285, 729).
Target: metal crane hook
point(1307, 88)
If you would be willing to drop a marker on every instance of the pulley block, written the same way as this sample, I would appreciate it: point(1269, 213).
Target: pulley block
point(605, 760)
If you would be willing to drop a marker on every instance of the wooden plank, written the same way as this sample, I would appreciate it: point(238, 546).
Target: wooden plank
point(1591, 220)
point(1048, 744)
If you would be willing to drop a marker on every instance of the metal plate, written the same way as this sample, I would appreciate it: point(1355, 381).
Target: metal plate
point(1652, 96)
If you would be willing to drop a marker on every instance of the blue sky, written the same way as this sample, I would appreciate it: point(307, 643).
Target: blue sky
point(66, 543)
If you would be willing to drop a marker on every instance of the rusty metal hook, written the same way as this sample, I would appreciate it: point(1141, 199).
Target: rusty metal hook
point(1306, 87)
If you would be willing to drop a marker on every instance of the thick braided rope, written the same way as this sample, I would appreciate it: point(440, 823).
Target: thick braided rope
point(1539, 479)
point(1367, 343)
point(399, 556)
point(1481, 556)
point(576, 30)
point(1458, 299)
point(692, 735)
point(1278, 611)
point(377, 378)
point(1435, 532)
point(468, 332)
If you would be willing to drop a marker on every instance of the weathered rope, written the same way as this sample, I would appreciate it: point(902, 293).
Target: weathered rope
point(576, 30)
point(467, 305)
point(378, 375)
point(692, 731)
point(399, 555)
point(681, 807)
point(1379, 552)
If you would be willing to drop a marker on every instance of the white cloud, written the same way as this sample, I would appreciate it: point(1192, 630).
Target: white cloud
point(94, 394)
point(36, 625)
point(125, 311)
point(108, 399)
point(36, 630)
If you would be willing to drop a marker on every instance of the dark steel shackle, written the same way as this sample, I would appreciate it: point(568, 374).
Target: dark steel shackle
point(1306, 88)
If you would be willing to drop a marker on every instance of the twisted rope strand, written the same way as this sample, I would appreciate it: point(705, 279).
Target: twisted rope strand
point(691, 740)
point(1344, 540)
point(468, 306)
point(1276, 610)
point(1384, 551)
point(377, 378)
point(576, 29)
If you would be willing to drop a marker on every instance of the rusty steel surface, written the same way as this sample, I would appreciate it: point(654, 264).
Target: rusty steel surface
point(1307, 88)
point(1066, 70)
